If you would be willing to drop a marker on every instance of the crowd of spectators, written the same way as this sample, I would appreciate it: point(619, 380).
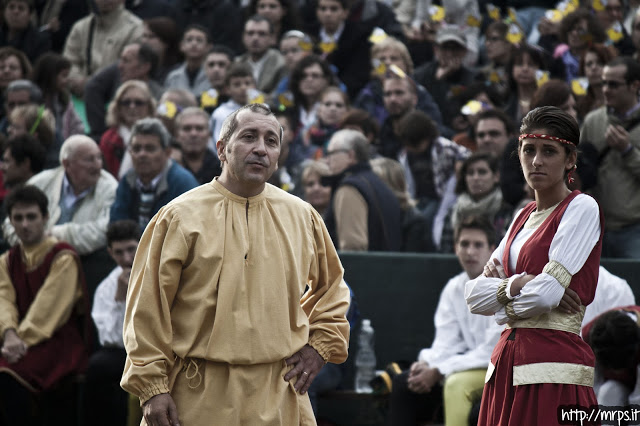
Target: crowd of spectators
point(400, 118)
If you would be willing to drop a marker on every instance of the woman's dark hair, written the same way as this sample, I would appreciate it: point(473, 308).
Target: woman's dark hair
point(45, 75)
point(477, 88)
point(167, 31)
point(537, 56)
point(491, 160)
point(604, 54)
point(555, 122)
point(594, 28)
point(291, 20)
point(553, 93)
point(297, 74)
point(25, 64)
point(615, 340)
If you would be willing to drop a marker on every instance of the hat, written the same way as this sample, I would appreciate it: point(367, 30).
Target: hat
point(451, 33)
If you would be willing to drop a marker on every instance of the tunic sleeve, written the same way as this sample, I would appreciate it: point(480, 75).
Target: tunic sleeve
point(8, 308)
point(148, 330)
point(577, 234)
point(54, 302)
point(327, 300)
point(481, 292)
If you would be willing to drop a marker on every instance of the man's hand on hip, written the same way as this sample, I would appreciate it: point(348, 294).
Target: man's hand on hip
point(307, 363)
point(160, 410)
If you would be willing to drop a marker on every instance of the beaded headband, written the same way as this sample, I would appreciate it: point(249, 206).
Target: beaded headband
point(548, 137)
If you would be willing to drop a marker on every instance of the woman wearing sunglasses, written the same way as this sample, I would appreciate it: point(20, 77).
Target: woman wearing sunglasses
point(538, 282)
point(132, 102)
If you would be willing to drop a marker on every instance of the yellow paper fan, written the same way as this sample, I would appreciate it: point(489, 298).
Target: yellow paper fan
point(255, 96)
point(542, 77)
point(553, 15)
point(305, 44)
point(599, 5)
point(378, 35)
point(397, 71)
point(493, 12)
point(615, 32)
point(328, 47)
point(514, 35)
point(286, 99)
point(579, 86)
point(167, 109)
point(436, 13)
point(474, 21)
point(472, 107)
point(209, 98)
point(379, 67)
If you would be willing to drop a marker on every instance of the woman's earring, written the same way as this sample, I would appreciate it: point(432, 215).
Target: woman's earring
point(569, 177)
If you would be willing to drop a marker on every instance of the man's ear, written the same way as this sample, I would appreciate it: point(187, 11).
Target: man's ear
point(220, 148)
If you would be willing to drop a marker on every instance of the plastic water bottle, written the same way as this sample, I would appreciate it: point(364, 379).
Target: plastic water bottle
point(366, 358)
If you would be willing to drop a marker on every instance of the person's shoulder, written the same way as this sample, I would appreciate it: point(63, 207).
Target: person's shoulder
point(596, 114)
point(106, 180)
point(585, 201)
point(130, 17)
point(275, 194)
point(178, 174)
point(45, 177)
point(82, 22)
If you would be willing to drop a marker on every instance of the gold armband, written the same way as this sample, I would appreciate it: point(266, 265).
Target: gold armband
point(559, 272)
point(502, 292)
point(508, 308)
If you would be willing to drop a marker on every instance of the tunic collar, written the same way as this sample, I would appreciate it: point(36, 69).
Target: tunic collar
point(237, 198)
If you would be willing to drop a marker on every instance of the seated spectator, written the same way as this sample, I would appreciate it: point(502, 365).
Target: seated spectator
point(360, 120)
point(23, 157)
point(267, 64)
point(96, 41)
point(38, 122)
point(314, 192)
point(223, 19)
point(42, 296)
point(400, 99)
point(216, 65)
point(18, 93)
point(346, 47)
point(137, 62)
point(14, 65)
point(611, 15)
point(102, 386)
point(308, 79)
point(578, 31)
point(79, 193)
point(452, 370)
point(416, 230)
point(611, 292)
point(294, 45)
point(238, 81)
point(132, 102)
point(16, 30)
point(614, 130)
point(392, 52)
point(283, 15)
point(555, 93)
point(193, 136)
point(445, 77)
point(593, 61)
point(161, 34)
point(312, 141)
point(416, 15)
point(51, 73)
point(171, 103)
point(479, 194)
point(614, 337)
point(430, 163)
point(285, 178)
point(476, 99)
point(191, 75)
point(499, 52)
point(526, 61)
point(364, 215)
point(154, 179)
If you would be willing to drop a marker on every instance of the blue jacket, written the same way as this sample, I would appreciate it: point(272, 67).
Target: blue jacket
point(176, 181)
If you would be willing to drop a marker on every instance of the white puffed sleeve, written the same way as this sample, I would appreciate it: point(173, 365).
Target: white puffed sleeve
point(577, 234)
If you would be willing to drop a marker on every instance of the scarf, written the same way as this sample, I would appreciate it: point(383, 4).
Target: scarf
point(466, 206)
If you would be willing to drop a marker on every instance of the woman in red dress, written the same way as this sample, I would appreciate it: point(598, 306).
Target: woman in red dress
point(538, 283)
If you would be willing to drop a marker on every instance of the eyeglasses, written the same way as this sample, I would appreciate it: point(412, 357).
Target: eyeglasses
point(612, 84)
point(131, 102)
point(335, 151)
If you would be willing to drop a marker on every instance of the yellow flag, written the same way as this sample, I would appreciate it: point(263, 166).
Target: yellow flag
point(599, 5)
point(436, 13)
point(328, 47)
point(167, 109)
point(378, 35)
point(379, 67)
point(615, 32)
point(553, 15)
point(514, 35)
point(493, 12)
point(542, 77)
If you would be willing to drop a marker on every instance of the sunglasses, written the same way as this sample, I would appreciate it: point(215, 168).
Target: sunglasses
point(613, 84)
point(129, 102)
